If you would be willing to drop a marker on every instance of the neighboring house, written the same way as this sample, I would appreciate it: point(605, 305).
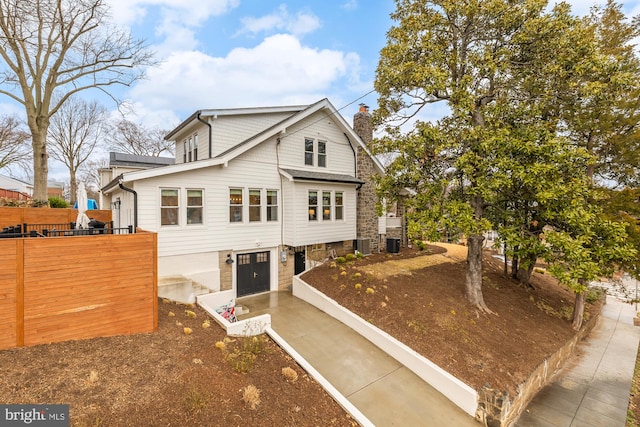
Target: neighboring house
point(121, 163)
point(257, 195)
point(15, 189)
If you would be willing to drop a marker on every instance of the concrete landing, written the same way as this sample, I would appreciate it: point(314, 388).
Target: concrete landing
point(387, 393)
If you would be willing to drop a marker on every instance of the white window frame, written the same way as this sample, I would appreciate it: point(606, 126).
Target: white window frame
point(232, 205)
point(176, 208)
point(312, 209)
point(188, 206)
point(340, 206)
point(254, 207)
point(275, 207)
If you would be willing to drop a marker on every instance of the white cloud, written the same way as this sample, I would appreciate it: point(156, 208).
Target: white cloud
point(281, 20)
point(277, 71)
point(350, 5)
point(127, 12)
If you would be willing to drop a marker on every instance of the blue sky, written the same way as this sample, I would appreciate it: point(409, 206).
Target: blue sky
point(247, 53)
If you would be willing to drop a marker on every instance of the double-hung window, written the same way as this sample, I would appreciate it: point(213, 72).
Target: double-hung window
point(235, 205)
point(322, 154)
point(195, 147)
point(313, 205)
point(339, 197)
point(194, 206)
point(308, 152)
point(326, 206)
point(255, 205)
point(272, 205)
point(169, 206)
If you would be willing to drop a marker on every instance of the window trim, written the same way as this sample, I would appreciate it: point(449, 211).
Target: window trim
point(309, 154)
point(241, 205)
point(322, 155)
point(258, 206)
point(176, 207)
point(188, 206)
point(336, 205)
point(327, 208)
point(312, 209)
point(272, 206)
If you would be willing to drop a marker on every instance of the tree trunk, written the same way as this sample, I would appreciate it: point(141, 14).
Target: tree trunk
point(72, 186)
point(40, 165)
point(473, 282)
point(578, 311)
point(524, 274)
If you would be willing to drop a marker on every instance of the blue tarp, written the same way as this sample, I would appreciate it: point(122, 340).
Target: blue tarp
point(91, 204)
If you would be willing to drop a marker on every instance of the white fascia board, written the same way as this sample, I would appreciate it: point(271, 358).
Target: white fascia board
point(168, 170)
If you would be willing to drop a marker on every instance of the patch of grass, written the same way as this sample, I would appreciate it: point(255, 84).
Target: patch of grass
point(242, 355)
point(195, 400)
point(416, 327)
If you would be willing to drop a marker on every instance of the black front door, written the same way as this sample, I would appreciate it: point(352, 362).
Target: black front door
point(253, 273)
point(300, 263)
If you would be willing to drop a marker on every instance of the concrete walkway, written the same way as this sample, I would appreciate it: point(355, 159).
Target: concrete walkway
point(593, 388)
point(387, 393)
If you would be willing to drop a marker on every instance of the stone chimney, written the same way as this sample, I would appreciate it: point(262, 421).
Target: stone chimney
point(367, 218)
point(362, 124)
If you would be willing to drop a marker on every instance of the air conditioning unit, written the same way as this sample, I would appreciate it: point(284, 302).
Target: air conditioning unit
point(363, 246)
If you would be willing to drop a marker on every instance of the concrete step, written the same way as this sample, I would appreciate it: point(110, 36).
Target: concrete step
point(180, 289)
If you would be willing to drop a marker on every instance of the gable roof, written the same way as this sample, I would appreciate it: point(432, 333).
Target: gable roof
point(298, 114)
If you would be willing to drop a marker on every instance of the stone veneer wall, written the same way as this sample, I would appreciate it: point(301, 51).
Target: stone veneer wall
point(286, 270)
point(226, 270)
point(367, 222)
point(497, 409)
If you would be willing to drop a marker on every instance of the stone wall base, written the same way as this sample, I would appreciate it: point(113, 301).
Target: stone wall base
point(497, 409)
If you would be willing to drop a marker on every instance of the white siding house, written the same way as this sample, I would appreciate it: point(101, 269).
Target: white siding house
point(256, 195)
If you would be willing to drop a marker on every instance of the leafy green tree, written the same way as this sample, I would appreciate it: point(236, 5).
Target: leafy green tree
point(459, 53)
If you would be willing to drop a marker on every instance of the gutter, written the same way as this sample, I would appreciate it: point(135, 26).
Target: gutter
point(135, 204)
point(209, 125)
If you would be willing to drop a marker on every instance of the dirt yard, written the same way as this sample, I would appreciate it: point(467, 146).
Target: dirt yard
point(418, 297)
point(169, 378)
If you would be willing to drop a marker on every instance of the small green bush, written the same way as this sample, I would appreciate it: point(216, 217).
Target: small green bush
point(350, 257)
point(421, 245)
point(359, 255)
point(341, 260)
point(58, 202)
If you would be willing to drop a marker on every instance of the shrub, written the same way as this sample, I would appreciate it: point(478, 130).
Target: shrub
point(341, 260)
point(359, 255)
point(58, 202)
point(350, 257)
point(290, 374)
point(251, 396)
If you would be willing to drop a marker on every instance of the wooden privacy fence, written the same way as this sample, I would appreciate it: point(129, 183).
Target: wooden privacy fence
point(64, 288)
point(17, 215)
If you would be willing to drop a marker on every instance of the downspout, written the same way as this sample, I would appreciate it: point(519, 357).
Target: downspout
point(135, 204)
point(355, 160)
point(208, 124)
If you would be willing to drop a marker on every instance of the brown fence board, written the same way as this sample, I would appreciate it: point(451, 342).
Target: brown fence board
point(10, 215)
point(77, 287)
point(8, 295)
